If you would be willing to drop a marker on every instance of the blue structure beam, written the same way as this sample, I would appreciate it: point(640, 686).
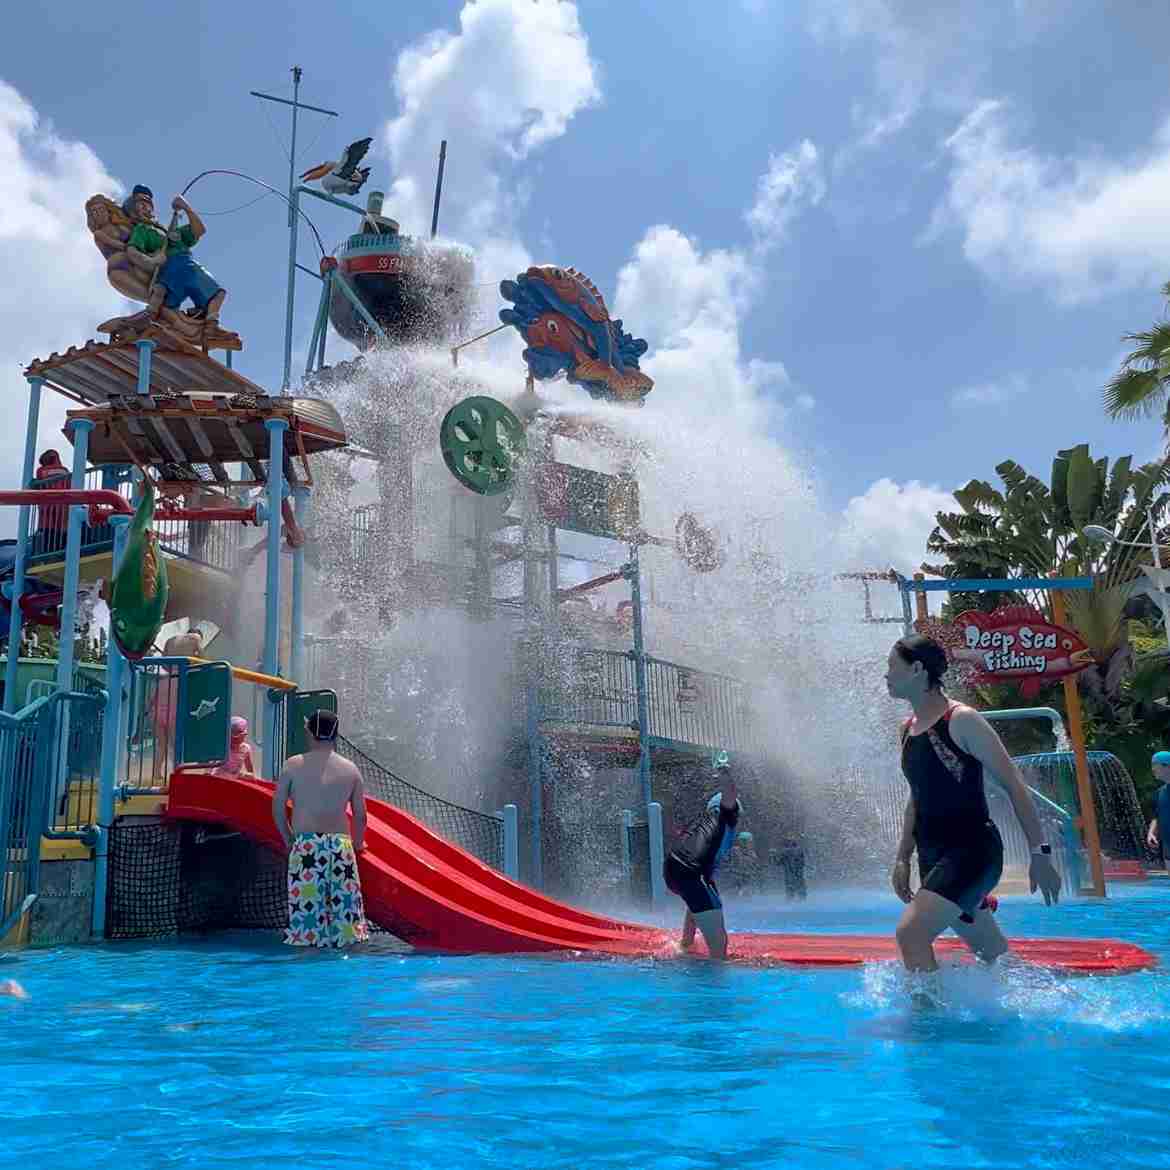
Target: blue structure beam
point(343, 283)
point(276, 428)
point(15, 622)
point(297, 634)
point(111, 744)
point(77, 513)
point(997, 585)
point(633, 571)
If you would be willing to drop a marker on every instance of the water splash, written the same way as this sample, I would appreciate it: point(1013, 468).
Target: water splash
point(1008, 991)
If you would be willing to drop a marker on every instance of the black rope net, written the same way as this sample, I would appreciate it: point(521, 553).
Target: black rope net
point(168, 879)
point(171, 878)
point(478, 833)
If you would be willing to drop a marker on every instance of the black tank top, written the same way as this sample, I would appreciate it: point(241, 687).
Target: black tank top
point(947, 784)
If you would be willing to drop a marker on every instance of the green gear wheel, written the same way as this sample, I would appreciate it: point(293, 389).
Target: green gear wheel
point(481, 440)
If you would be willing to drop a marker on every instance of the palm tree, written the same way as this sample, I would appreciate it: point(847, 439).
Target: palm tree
point(1142, 385)
point(1034, 529)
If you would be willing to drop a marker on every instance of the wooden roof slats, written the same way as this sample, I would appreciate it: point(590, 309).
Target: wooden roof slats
point(195, 428)
point(100, 370)
point(240, 439)
point(145, 442)
point(164, 432)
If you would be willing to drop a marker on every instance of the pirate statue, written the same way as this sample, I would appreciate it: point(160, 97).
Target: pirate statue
point(165, 254)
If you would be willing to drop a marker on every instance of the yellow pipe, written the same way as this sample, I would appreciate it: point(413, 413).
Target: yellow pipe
point(251, 676)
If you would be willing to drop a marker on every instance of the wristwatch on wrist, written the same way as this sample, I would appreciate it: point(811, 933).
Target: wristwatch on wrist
point(1042, 850)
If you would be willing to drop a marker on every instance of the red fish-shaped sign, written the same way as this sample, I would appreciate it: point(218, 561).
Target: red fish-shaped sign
point(1016, 642)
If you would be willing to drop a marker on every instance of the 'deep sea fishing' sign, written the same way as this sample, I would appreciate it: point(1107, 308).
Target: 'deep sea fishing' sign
point(1016, 644)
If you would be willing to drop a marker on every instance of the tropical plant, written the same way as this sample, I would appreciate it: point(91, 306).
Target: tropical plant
point(1142, 385)
point(1033, 529)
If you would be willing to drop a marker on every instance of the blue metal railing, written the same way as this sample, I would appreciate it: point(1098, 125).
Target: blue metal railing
point(686, 708)
point(71, 754)
point(150, 744)
point(1059, 827)
point(214, 544)
point(47, 747)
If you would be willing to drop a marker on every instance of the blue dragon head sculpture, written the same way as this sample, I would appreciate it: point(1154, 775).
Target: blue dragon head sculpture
point(567, 327)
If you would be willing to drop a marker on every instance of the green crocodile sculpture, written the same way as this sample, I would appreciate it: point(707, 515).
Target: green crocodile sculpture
point(138, 603)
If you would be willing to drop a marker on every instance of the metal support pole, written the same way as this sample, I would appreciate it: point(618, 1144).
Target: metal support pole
point(145, 348)
point(536, 779)
point(271, 665)
point(907, 614)
point(921, 613)
point(292, 150)
point(1072, 703)
point(297, 634)
point(438, 188)
point(639, 656)
point(342, 283)
point(327, 294)
point(15, 621)
point(627, 823)
point(111, 749)
point(657, 880)
point(512, 842)
point(294, 196)
point(77, 513)
point(319, 326)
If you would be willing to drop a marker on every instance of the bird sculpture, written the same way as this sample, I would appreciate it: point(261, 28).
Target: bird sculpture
point(343, 177)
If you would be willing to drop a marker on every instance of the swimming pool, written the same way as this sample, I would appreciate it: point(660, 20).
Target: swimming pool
point(233, 1050)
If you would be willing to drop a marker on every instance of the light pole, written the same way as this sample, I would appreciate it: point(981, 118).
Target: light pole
point(1099, 535)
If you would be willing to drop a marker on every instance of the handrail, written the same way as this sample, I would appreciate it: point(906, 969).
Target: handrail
point(1050, 713)
point(251, 676)
point(680, 666)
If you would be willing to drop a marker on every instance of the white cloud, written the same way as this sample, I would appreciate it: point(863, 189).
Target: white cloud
point(54, 289)
point(1079, 227)
point(792, 182)
point(915, 53)
point(888, 525)
point(688, 301)
point(511, 79)
point(929, 56)
point(993, 393)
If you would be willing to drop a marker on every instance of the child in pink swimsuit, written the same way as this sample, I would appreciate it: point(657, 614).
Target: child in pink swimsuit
point(239, 761)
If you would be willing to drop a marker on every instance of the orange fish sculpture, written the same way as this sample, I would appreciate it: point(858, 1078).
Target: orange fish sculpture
point(567, 329)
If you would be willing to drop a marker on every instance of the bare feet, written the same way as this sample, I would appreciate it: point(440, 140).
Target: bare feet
point(13, 989)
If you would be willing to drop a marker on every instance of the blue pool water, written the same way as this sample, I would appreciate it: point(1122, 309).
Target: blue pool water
point(235, 1051)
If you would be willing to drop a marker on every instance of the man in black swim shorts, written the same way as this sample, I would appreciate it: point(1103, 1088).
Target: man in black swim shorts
point(689, 869)
point(946, 750)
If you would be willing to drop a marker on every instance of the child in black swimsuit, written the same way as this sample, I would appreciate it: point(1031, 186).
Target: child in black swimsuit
point(689, 868)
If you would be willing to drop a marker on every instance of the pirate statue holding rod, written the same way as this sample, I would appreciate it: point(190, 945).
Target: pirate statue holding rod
point(165, 254)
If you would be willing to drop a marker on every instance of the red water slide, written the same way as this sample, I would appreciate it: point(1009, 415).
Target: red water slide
point(438, 897)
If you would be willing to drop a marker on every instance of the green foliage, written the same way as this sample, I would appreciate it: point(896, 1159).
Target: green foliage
point(1142, 386)
point(1029, 528)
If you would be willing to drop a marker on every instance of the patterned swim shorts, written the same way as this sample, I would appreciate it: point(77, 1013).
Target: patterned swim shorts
point(325, 906)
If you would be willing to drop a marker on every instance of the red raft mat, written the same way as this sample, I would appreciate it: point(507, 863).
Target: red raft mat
point(438, 897)
point(1079, 956)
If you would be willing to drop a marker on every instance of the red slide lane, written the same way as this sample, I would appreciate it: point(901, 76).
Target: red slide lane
point(438, 897)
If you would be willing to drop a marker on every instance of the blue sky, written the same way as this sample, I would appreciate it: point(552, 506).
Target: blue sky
point(958, 209)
